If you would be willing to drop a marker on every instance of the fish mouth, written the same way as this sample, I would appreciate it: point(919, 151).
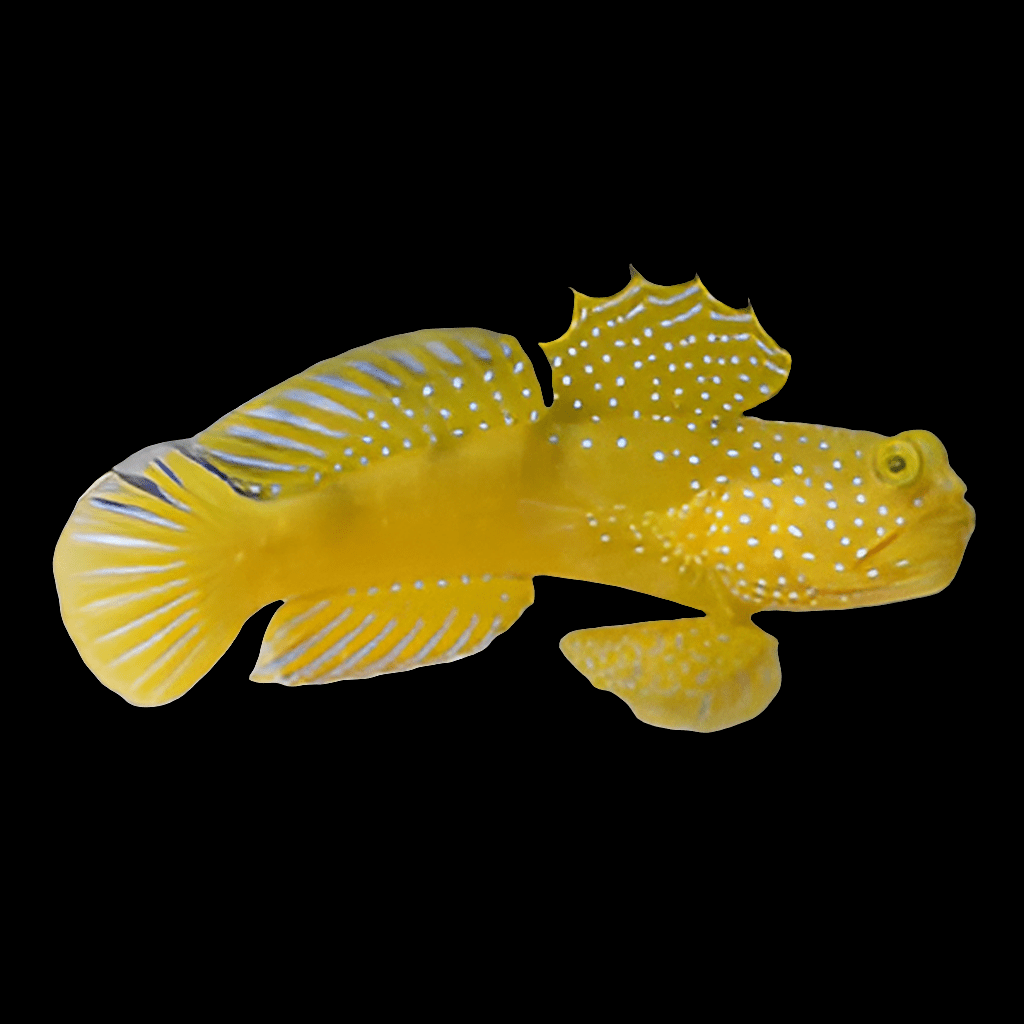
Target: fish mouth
point(919, 559)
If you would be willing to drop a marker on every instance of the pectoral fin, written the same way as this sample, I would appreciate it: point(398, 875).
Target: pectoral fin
point(696, 674)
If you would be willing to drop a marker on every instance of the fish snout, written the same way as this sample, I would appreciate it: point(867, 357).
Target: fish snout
point(943, 493)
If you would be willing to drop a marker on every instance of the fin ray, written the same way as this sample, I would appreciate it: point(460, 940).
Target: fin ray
point(338, 635)
point(146, 574)
point(385, 400)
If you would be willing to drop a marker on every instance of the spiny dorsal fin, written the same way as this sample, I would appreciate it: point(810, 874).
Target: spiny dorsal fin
point(659, 352)
point(349, 634)
point(382, 401)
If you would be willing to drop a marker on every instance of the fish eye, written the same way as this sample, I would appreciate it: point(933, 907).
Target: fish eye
point(897, 462)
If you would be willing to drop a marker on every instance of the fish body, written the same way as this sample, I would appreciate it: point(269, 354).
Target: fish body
point(400, 497)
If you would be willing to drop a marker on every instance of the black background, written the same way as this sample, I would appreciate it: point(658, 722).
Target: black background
point(188, 268)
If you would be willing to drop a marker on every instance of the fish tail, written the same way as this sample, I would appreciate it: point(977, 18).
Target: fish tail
point(157, 570)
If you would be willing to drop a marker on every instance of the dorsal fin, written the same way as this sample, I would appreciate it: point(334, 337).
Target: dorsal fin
point(653, 351)
point(385, 400)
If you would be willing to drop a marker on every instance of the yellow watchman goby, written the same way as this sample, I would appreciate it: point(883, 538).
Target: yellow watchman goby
point(401, 497)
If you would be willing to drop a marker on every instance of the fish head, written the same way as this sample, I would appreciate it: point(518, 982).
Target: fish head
point(894, 525)
point(815, 517)
point(910, 475)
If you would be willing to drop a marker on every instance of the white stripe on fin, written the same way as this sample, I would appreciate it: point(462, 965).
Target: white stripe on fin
point(121, 542)
point(443, 352)
point(342, 385)
point(375, 372)
point(273, 440)
point(241, 460)
point(269, 412)
point(315, 401)
point(411, 628)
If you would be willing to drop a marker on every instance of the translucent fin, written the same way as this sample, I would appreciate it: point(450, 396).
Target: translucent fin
point(694, 674)
point(152, 576)
point(383, 401)
point(653, 350)
point(326, 637)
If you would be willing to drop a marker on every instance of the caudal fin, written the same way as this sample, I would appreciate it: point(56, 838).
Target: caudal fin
point(155, 574)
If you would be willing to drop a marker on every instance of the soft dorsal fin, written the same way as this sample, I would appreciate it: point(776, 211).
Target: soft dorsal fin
point(659, 352)
point(349, 634)
point(385, 400)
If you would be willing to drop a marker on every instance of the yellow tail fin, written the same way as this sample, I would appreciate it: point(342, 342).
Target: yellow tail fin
point(155, 573)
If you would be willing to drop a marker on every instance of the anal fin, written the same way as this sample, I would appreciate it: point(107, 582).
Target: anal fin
point(351, 634)
point(697, 674)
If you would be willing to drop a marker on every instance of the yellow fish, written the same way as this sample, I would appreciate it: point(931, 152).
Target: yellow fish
point(400, 498)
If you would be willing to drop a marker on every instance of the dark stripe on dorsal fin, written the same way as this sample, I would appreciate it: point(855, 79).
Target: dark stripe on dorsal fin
point(235, 485)
point(144, 484)
point(169, 472)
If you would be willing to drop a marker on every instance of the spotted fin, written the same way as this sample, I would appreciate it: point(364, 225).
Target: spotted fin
point(653, 351)
point(385, 400)
point(694, 674)
point(153, 581)
point(326, 637)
